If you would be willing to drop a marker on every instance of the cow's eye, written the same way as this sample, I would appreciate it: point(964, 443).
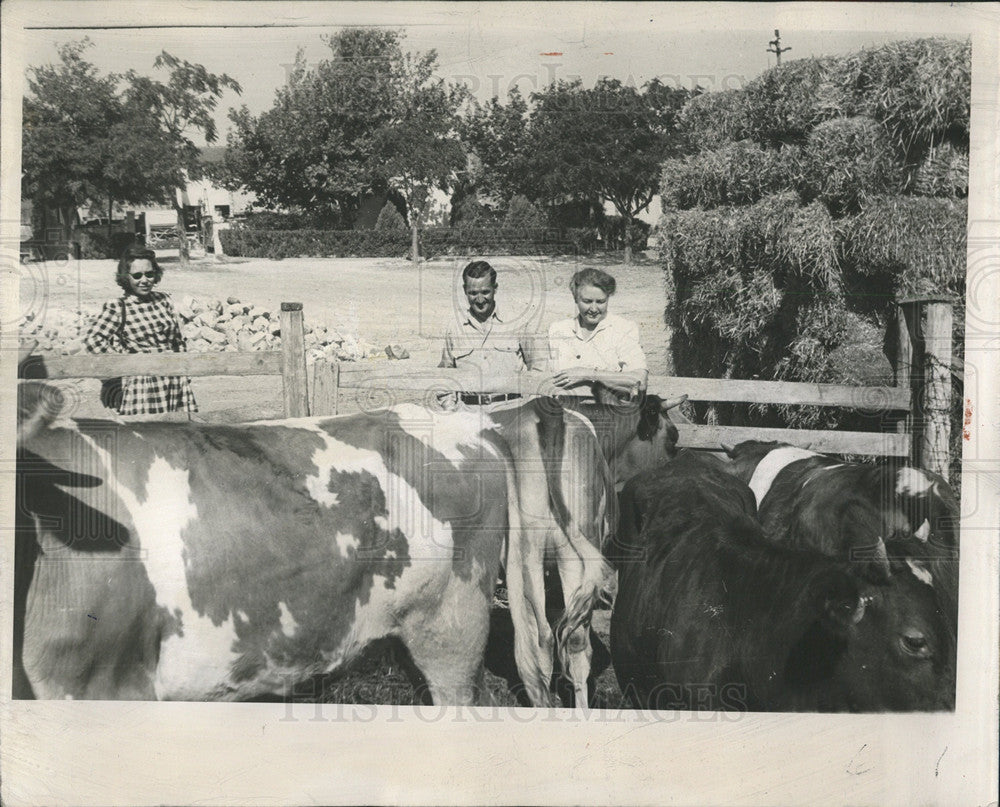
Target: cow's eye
point(915, 644)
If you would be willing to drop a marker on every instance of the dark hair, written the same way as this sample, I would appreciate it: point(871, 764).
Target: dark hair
point(592, 277)
point(478, 269)
point(130, 256)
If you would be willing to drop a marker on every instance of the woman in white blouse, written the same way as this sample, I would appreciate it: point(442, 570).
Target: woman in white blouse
point(595, 347)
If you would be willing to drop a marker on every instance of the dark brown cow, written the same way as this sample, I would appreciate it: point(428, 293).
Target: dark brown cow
point(711, 615)
point(850, 510)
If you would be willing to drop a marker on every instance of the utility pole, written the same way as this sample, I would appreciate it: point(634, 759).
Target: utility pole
point(775, 44)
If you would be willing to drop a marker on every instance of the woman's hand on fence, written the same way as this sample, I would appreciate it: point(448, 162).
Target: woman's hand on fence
point(573, 376)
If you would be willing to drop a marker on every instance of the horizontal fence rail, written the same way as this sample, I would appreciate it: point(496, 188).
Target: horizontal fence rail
point(318, 392)
point(398, 377)
point(108, 365)
point(877, 444)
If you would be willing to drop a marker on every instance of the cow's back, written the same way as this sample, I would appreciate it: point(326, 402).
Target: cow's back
point(222, 562)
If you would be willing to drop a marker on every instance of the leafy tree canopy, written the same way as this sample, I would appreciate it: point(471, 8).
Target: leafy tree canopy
point(120, 137)
point(364, 120)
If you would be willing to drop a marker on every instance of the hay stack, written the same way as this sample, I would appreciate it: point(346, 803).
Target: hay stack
point(736, 174)
point(831, 345)
point(785, 103)
point(919, 89)
point(943, 172)
point(733, 266)
point(713, 119)
point(847, 161)
point(918, 243)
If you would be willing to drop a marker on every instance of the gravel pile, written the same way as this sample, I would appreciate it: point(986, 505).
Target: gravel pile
point(212, 325)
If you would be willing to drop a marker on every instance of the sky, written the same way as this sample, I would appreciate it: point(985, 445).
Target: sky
point(489, 47)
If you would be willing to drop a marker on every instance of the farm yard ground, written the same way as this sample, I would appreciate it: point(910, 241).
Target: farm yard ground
point(381, 301)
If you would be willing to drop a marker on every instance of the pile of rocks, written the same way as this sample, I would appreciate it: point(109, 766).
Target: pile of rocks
point(213, 325)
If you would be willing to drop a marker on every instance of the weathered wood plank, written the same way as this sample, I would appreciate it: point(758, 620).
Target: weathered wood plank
point(396, 376)
point(324, 388)
point(867, 443)
point(293, 361)
point(108, 365)
point(782, 392)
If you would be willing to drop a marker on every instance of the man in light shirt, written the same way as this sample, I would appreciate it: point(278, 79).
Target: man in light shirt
point(482, 343)
point(595, 347)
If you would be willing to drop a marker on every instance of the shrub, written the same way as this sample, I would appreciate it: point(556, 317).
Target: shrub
point(612, 231)
point(523, 215)
point(504, 241)
point(95, 243)
point(276, 244)
point(319, 219)
point(248, 243)
point(389, 218)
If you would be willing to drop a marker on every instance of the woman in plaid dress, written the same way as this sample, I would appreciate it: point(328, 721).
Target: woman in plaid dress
point(142, 321)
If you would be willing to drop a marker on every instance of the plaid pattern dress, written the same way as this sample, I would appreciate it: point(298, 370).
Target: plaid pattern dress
point(150, 326)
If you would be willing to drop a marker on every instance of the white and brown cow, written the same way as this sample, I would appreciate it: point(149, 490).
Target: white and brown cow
point(212, 562)
point(566, 501)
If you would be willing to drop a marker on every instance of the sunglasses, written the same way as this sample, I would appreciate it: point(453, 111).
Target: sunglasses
point(137, 275)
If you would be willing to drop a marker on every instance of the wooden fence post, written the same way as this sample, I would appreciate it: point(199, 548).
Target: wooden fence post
point(326, 387)
point(924, 363)
point(293, 361)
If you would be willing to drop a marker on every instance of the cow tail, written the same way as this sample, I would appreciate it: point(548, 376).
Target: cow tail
point(552, 440)
point(522, 613)
point(598, 579)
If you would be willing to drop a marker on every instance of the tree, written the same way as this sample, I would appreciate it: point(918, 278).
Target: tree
point(605, 142)
point(366, 119)
point(417, 149)
point(389, 218)
point(167, 115)
point(69, 112)
point(88, 140)
point(496, 134)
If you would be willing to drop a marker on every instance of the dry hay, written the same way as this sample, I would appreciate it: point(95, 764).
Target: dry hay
point(712, 119)
point(735, 307)
point(733, 268)
point(832, 345)
point(919, 89)
point(847, 161)
point(776, 234)
point(943, 172)
point(736, 174)
point(918, 242)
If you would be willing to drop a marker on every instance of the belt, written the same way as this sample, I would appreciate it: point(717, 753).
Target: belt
point(477, 399)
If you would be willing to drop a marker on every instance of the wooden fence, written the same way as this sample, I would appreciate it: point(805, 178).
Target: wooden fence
point(918, 404)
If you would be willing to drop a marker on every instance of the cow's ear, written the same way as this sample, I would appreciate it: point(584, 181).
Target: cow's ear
point(730, 450)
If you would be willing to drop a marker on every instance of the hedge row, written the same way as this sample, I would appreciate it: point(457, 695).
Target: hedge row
point(94, 242)
point(276, 244)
